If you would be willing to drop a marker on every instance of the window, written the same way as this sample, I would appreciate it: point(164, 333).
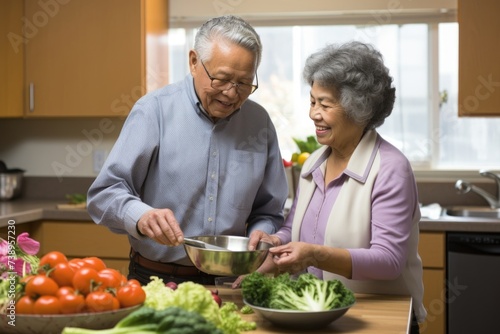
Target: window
point(424, 123)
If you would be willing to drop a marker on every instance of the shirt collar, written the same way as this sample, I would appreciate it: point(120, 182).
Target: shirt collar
point(196, 103)
point(361, 161)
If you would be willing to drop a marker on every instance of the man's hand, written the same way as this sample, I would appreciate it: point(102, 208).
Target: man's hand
point(161, 226)
point(257, 236)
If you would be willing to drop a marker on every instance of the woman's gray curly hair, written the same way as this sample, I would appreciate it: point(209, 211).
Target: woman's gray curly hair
point(227, 28)
point(357, 71)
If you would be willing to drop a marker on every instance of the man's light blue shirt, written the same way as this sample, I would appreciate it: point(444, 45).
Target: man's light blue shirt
point(217, 178)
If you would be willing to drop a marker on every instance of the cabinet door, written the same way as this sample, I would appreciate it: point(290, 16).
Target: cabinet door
point(84, 57)
point(434, 302)
point(82, 239)
point(479, 53)
point(11, 58)
point(431, 248)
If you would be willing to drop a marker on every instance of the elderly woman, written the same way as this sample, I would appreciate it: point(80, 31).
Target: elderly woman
point(356, 213)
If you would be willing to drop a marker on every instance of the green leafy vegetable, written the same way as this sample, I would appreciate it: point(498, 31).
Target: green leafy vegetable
point(188, 295)
point(245, 309)
point(232, 322)
point(157, 294)
point(306, 293)
point(309, 145)
point(76, 198)
point(146, 320)
point(196, 298)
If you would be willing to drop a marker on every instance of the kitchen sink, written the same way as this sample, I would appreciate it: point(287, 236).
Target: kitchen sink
point(473, 212)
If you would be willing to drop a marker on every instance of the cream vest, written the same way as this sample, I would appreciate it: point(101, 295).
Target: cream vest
point(354, 227)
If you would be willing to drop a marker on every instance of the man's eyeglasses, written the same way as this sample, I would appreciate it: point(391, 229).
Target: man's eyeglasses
point(241, 88)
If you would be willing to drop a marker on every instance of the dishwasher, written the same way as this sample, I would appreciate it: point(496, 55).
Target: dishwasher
point(473, 283)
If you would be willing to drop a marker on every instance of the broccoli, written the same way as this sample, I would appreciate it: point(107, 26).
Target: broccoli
point(306, 293)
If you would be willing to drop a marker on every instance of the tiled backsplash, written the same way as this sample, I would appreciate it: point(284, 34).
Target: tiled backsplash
point(51, 188)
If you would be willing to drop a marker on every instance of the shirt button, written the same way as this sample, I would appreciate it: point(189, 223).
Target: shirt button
point(210, 219)
point(214, 153)
point(213, 176)
point(211, 198)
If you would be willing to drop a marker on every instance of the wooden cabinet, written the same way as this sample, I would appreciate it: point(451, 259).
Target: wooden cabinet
point(86, 57)
point(479, 52)
point(78, 239)
point(11, 59)
point(81, 239)
point(432, 251)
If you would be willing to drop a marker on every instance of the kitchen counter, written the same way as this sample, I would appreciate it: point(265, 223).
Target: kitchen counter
point(460, 224)
point(25, 211)
point(372, 314)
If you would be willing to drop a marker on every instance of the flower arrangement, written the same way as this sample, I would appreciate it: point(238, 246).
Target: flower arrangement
point(17, 259)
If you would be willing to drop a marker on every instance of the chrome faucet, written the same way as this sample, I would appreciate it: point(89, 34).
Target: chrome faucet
point(465, 187)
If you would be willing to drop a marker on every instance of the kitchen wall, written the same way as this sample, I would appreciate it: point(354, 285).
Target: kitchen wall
point(59, 153)
point(56, 147)
point(65, 147)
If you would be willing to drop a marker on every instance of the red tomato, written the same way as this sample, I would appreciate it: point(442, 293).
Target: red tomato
point(76, 263)
point(47, 305)
point(41, 285)
point(25, 305)
point(130, 295)
point(132, 281)
point(116, 303)
point(124, 280)
point(110, 278)
point(72, 303)
point(63, 274)
point(287, 163)
point(99, 301)
point(26, 278)
point(65, 290)
point(85, 280)
point(53, 258)
point(94, 262)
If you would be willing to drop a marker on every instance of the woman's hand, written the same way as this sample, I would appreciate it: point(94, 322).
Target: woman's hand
point(295, 257)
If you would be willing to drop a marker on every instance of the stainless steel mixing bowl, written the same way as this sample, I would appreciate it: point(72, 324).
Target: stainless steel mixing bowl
point(236, 260)
point(10, 185)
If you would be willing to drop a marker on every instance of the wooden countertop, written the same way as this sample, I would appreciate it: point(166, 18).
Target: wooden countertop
point(372, 314)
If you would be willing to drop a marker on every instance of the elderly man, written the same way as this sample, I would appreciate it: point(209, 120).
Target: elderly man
point(194, 158)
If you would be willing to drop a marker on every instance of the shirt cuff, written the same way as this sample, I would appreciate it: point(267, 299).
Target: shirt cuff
point(264, 225)
point(132, 215)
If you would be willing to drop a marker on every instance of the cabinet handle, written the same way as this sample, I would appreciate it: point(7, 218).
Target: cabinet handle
point(32, 97)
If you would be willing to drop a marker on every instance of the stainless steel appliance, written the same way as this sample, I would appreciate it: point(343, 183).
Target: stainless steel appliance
point(473, 283)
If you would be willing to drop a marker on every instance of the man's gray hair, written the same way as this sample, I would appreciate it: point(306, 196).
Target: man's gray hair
point(228, 28)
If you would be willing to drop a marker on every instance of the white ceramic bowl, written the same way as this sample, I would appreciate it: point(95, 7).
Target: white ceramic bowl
point(54, 324)
point(302, 320)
